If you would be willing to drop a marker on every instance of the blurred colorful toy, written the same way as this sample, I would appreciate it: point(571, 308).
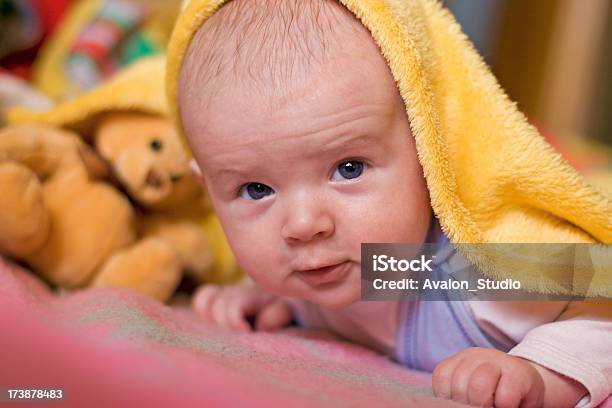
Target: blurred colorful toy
point(92, 58)
point(96, 39)
point(24, 26)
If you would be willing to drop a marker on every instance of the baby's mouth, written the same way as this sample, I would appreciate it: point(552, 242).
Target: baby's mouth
point(324, 274)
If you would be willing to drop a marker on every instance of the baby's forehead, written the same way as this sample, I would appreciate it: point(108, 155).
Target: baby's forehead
point(323, 120)
point(252, 68)
point(270, 45)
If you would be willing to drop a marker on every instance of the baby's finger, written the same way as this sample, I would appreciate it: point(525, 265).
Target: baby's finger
point(236, 315)
point(461, 378)
point(203, 299)
point(273, 315)
point(508, 393)
point(532, 393)
point(220, 309)
point(482, 384)
point(442, 376)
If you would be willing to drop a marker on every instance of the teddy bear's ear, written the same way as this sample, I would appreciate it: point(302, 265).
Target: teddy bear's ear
point(96, 166)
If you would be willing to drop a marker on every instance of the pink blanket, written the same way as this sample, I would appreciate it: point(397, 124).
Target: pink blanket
point(116, 348)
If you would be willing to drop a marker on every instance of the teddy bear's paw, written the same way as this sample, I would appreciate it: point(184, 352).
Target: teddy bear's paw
point(189, 240)
point(150, 266)
point(24, 218)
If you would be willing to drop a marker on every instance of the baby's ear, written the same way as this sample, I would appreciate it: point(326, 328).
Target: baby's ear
point(195, 169)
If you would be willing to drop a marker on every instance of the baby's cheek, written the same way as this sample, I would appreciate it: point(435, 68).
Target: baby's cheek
point(395, 218)
point(256, 255)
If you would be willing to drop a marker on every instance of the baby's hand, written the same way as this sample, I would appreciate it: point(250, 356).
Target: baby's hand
point(232, 307)
point(486, 377)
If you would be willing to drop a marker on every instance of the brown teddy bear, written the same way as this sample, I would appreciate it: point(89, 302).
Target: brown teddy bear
point(149, 162)
point(67, 224)
point(59, 215)
point(62, 216)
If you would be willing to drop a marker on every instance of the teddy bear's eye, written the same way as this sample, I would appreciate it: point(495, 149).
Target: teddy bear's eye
point(156, 145)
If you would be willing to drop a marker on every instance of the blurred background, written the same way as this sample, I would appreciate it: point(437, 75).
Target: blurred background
point(553, 57)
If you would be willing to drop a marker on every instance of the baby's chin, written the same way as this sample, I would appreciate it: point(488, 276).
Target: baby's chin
point(336, 302)
point(343, 295)
point(335, 295)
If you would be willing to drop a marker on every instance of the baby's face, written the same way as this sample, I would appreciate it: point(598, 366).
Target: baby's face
point(299, 182)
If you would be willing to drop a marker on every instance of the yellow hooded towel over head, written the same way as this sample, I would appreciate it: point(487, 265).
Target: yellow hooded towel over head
point(492, 178)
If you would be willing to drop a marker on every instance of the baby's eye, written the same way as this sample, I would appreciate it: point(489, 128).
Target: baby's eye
point(348, 170)
point(255, 191)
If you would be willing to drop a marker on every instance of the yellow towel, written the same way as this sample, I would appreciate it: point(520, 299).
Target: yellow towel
point(139, 87)
point(492, 178)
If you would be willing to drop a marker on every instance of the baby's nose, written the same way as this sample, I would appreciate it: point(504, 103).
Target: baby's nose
point(306, 221)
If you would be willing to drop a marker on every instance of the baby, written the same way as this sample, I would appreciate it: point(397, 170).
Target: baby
point(303, 142)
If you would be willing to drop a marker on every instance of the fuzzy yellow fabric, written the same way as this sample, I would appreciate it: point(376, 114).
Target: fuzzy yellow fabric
point(139, 87)
point(491, 176)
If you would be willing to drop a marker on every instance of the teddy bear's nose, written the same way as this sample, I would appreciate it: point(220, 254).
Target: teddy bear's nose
point(154, 179)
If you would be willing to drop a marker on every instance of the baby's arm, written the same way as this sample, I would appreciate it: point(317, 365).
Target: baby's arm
point(575, 346)
point(487, 377)
point(237, 307)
